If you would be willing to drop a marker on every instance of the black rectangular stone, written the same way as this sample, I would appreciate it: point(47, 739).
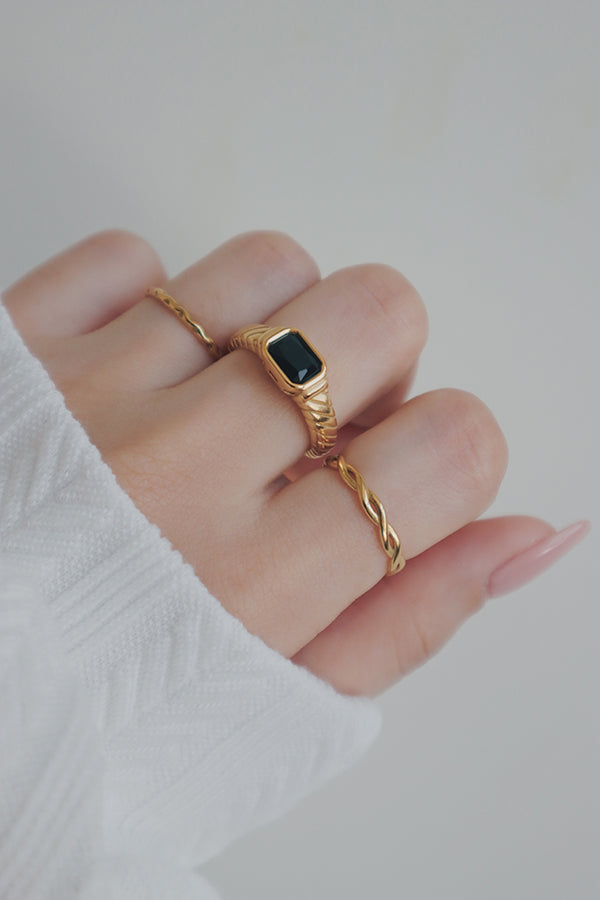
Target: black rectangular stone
point(294, 357)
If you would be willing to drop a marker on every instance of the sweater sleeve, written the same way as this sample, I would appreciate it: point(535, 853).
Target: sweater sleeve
point(197, 731)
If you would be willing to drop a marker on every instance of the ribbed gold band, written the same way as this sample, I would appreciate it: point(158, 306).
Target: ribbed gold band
point(312, 396)
point(183, 315)
point(373, 507)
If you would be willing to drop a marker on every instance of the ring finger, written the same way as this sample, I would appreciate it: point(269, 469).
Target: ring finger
point(370, 326)
point(436, 464)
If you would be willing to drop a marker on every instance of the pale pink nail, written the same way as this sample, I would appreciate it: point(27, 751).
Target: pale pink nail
point(531, 562)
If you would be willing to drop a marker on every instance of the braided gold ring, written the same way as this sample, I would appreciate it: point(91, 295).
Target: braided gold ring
point(300, 372)
point(183, 315)
point(373, 507)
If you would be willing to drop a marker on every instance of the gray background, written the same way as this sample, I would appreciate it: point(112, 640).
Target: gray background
point(458, 141)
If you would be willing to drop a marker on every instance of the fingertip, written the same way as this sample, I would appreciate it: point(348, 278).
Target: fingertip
point(534, 558)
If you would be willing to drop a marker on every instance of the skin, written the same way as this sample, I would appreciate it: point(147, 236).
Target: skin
point(212, 452)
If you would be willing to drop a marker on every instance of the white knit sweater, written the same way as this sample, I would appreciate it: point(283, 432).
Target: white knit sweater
point(142, 728)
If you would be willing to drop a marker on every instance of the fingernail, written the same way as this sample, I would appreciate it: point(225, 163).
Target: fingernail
point(531, 562)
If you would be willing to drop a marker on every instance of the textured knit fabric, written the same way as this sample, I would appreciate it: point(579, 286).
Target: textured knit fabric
point(142, 728)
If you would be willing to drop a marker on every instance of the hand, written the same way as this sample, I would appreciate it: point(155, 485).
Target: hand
point(212, 452)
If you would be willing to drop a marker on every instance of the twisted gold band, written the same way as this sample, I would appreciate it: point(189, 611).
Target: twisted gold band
point(184, 316)
point(300, 372)
point(373, 507)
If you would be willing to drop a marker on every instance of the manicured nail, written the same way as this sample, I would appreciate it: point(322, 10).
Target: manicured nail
point(531, 562)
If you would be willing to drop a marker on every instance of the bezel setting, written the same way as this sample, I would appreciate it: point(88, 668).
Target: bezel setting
point(300, 345)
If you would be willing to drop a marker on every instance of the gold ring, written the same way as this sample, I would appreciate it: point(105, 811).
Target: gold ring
point(184, 316)
point(373, 507)
point(300, 372)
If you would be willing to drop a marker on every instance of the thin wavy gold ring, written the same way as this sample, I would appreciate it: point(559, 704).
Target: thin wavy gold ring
point(373, 507)
point(184, 316)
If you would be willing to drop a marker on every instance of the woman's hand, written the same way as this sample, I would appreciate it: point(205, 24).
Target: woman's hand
point(212, 452)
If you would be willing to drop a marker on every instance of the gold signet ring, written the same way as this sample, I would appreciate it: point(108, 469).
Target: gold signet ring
point(300, 372)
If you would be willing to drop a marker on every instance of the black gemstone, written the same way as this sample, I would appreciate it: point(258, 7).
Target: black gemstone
point(295, 358)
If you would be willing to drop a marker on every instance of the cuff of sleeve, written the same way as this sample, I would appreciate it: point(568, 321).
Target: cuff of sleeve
point(207, 732)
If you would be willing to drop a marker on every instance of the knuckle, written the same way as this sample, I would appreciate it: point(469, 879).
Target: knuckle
point(277, 252)
point(426, 641)
point(424, 632)
point(414, 646)
point(411, 641)
point(127, 247)
point(471, 442)
point(474, 601)
point(392, 301)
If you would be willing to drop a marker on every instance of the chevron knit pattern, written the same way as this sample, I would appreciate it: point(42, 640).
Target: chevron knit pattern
point(132, 690)
point(51, 770)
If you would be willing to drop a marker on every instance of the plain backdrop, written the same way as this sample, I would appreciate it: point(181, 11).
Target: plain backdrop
point(458, 141)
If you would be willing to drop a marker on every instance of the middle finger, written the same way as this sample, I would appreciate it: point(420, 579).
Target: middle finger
point(368, 323)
